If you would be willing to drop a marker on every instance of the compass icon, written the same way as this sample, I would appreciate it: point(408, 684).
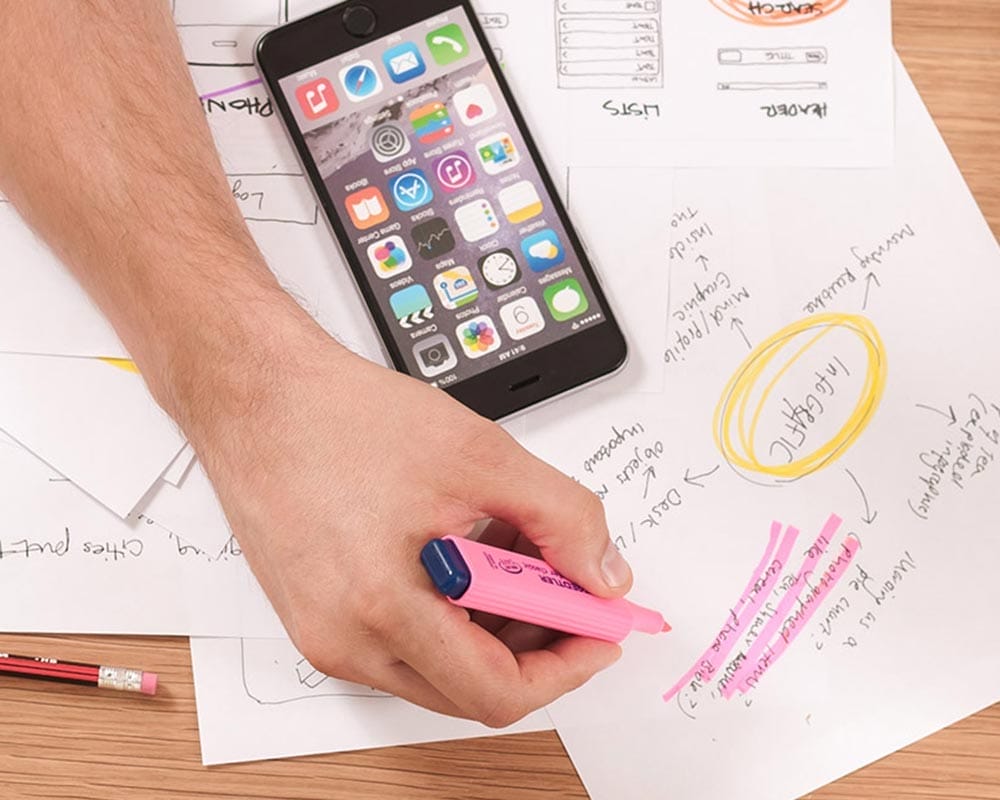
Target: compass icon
point(360, 81)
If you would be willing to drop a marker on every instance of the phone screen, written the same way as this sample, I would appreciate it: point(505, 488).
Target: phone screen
point(463, 246)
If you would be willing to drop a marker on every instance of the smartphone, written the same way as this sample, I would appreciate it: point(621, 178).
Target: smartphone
point(435, 190)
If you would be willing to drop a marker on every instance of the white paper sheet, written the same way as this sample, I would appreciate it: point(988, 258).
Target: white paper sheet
point(704, 82)
point(868, 418)
point(259, 699)
point(174, 474)
point(71, 566)
point(91, 421)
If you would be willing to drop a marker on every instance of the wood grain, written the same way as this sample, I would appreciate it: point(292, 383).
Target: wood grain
point(60, 741)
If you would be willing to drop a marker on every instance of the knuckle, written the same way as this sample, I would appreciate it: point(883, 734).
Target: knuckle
point(501, 712)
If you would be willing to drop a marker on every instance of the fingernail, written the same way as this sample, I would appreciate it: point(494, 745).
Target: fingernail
point(614, 568)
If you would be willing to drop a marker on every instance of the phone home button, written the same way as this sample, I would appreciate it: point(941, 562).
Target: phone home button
point(360, 21)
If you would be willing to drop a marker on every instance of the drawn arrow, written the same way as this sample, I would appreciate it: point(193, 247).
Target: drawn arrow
point(869, 516)
point(650, 474)
point(703, 260)
point(951, 416)
point(693, 479)
point(737, 324)
point(869, 280)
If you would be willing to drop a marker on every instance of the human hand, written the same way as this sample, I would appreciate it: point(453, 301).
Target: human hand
point(335, 472)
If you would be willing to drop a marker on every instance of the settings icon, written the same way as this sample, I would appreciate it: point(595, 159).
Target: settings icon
point(389, 142)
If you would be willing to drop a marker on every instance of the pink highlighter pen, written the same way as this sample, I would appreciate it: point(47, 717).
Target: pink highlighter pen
point(511, 585)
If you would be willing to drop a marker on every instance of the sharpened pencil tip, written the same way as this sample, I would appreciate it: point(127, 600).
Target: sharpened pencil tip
point(666, 628)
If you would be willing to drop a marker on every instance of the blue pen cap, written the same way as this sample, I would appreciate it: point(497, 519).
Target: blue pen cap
point(447, 568)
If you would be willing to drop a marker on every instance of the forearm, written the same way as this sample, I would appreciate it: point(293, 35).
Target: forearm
point(105, 151)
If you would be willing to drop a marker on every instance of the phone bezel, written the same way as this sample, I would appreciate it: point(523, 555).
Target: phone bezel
point(582, 357)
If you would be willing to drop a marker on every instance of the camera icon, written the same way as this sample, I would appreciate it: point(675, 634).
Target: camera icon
point(435, 356)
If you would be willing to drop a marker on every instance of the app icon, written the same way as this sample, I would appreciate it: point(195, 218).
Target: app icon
point(433, 238)
point(520, 202)
point(543, 250)
point(566, 300)
point(412, 306)
point(317, 99)
point(477, 220)
point(454, 171)
point(388, 142)
point(435, 356)
point(432, 123)
point(367, 208)
point(522, 318)
point(475, 105)
point(404, 62)
point(478, 336)
point(447, 45)
point(411, 190)
point(360, 81)
point(499, 269)
point(498, 153)
point(389, 257)
point(456, 288)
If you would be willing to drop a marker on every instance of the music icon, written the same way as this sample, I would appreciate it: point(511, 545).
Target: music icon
point(454, 172)
point(317, 99)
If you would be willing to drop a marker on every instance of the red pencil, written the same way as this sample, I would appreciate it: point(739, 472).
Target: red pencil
point(121, 679)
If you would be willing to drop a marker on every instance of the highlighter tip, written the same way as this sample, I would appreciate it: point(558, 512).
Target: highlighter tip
point(666, 628)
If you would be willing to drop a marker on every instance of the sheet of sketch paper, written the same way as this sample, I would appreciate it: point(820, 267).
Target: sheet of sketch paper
point(90, 420)
point(813, 502)
point(259, 699)
point(70, 566)
point(706, 82)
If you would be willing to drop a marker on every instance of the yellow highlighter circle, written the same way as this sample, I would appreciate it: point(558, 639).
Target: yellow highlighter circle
point(744, 400)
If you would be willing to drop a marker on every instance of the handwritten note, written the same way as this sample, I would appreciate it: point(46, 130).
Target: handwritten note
point(805, 643)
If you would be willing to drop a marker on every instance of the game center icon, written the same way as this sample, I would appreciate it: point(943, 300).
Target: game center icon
point(389, 257)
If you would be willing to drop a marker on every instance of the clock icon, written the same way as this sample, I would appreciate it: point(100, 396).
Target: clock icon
point(360, 81)
point(499, 269)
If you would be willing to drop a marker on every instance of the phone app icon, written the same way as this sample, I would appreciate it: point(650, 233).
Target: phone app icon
point(475, 105)
point(411, 190)
point(478, 336)
point(360, 81)
point(499, 269)
point(389, 257)
point(520, 202)
point(317, 99)
point(404, 62)
point(456, 288)
point(543, 250)
point(454, 172)
point(412, 306)
point(477, 220)
point(522, 318)
point(433, 238)
point(432, 123)
point(435, 356)
point(367, 208)
point(447, 45)
point(566, 300)
point(389, 142)
point(498, 153)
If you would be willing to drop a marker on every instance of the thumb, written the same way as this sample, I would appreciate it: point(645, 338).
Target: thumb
point(563, 519)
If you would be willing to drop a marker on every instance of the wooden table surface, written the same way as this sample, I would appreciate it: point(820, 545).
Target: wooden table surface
point(60, 741)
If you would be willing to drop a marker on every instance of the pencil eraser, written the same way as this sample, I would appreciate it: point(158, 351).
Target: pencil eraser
point(148, 685)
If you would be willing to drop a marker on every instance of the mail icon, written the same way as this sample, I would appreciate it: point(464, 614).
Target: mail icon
point(404, 63)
